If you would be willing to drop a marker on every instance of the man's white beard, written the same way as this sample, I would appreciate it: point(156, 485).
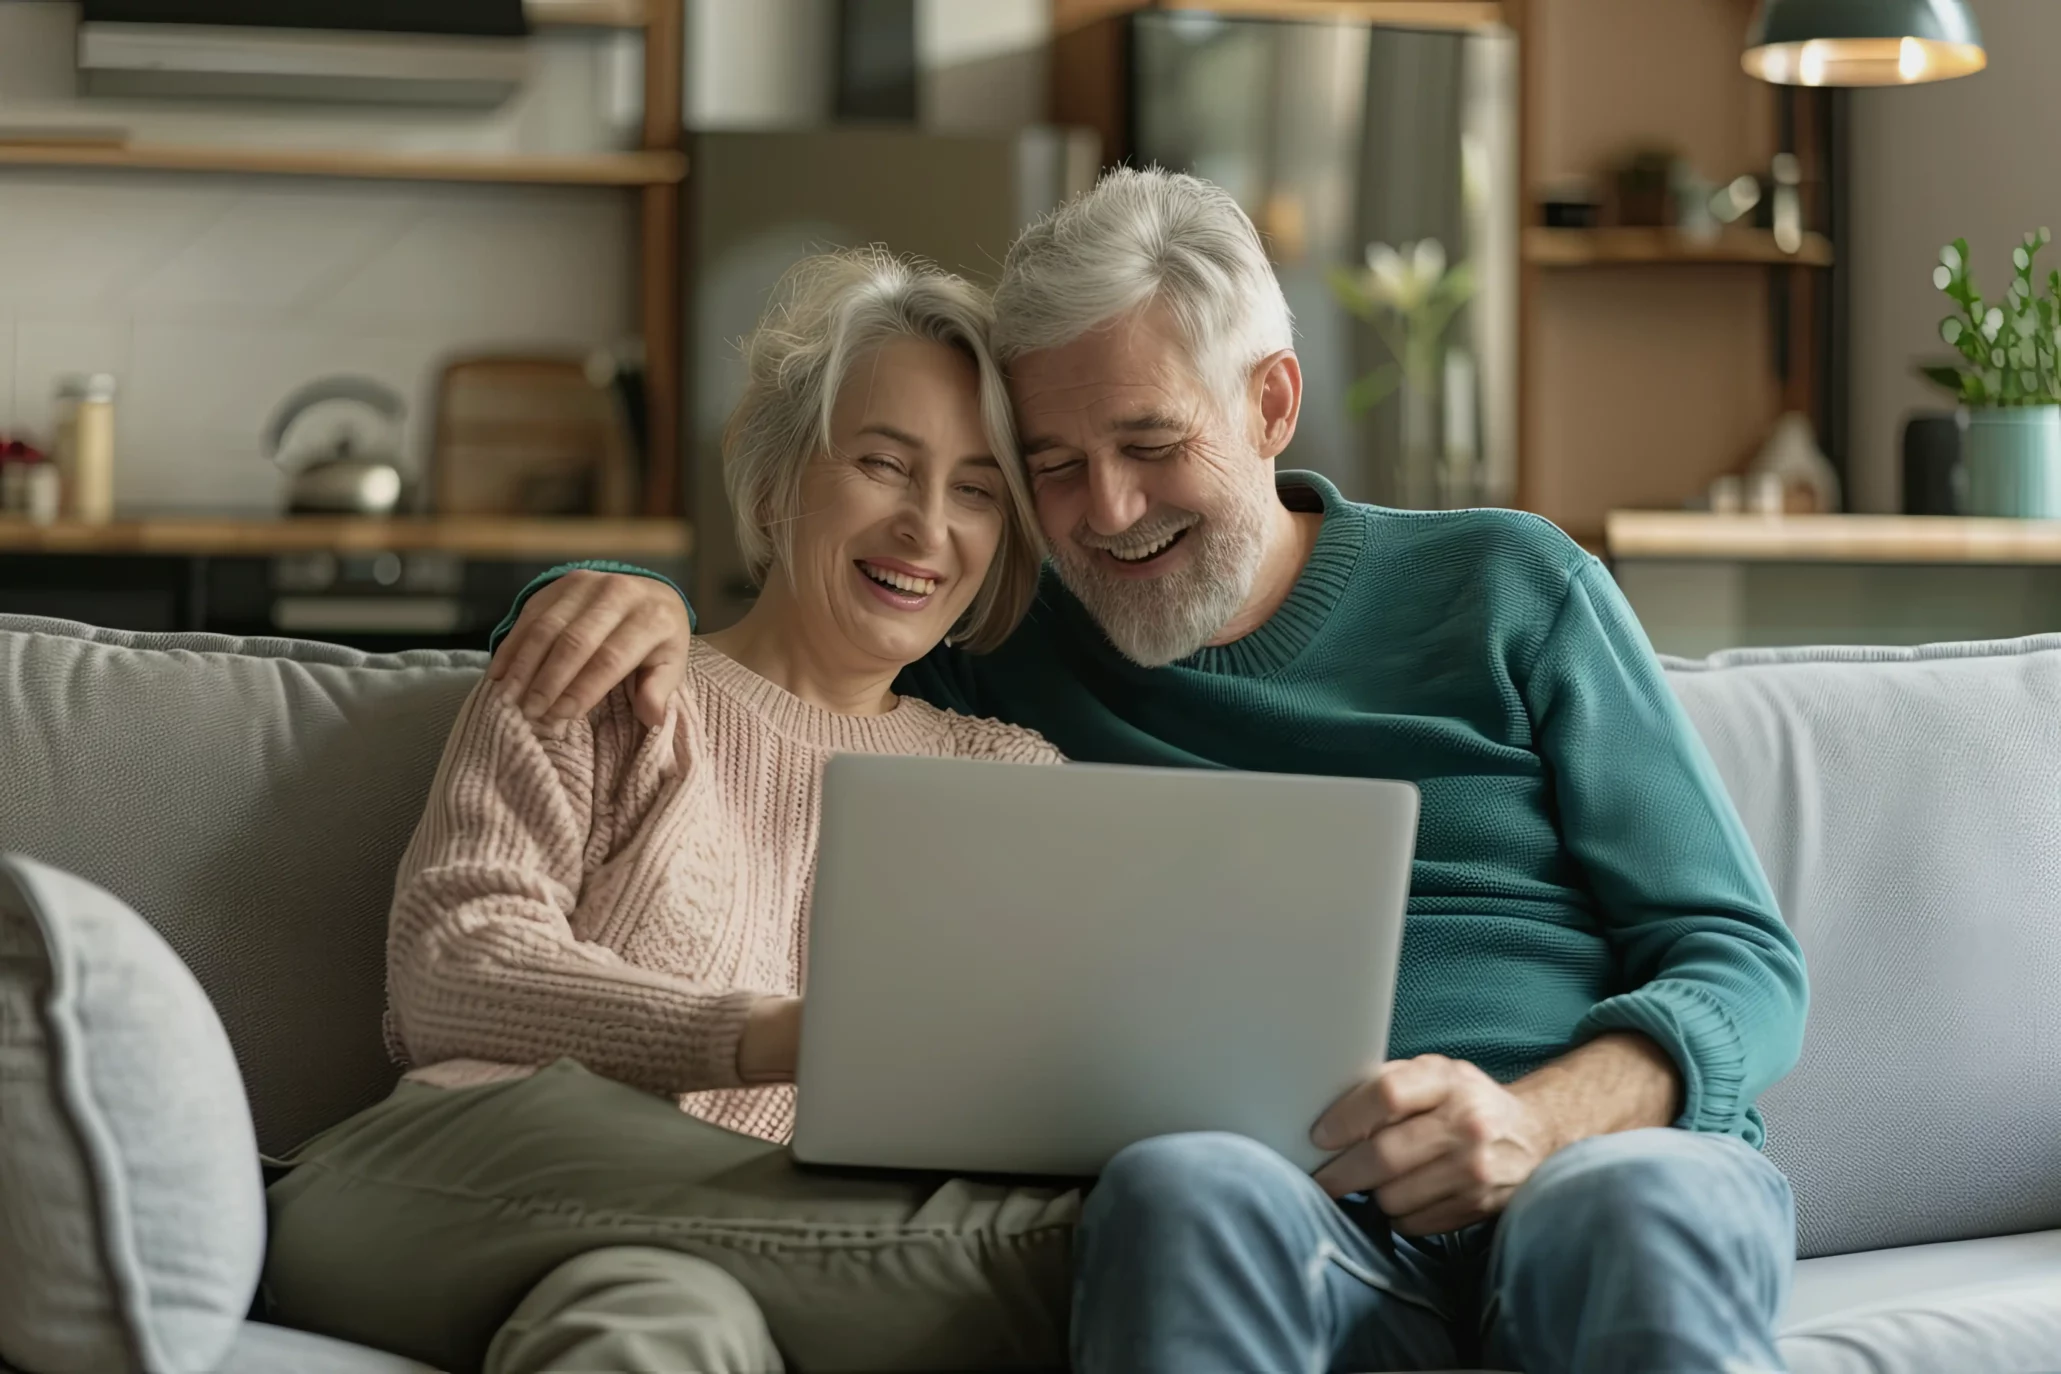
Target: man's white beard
point(1159, 620)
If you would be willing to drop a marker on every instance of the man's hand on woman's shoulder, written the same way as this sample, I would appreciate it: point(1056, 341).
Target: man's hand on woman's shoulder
point(585, 634)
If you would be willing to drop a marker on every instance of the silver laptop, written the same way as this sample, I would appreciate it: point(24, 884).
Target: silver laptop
point(1023, 969)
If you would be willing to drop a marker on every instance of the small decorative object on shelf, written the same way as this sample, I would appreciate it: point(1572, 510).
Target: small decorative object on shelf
point(88, 455)
point(1787, 217)
point(1642, 188)
point(1804, 480)
point(1410, 295)
point(2008, 381)
point(1570, 205)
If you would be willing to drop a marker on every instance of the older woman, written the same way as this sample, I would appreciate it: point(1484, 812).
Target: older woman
point(596, 917)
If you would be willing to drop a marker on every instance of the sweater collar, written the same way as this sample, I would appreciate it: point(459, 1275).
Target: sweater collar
point(1302, 616)
point(1323, 580)
point(902, 730)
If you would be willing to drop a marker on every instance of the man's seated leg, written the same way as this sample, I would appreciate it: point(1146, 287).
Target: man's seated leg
point(1211, 1253)
point(1644, 1250)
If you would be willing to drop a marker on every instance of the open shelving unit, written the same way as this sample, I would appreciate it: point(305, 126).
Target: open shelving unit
point(654, 170)
point(1639, 387)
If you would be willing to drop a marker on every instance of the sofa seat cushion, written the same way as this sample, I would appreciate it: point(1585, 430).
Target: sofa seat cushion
point(1992, 1305)
point(265, 1349)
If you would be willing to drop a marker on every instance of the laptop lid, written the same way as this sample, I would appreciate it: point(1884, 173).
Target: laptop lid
point(1023, 969)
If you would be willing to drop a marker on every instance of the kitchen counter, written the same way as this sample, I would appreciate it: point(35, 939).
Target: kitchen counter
point(1696, 536)
point(469, 536)
point(1702, 582)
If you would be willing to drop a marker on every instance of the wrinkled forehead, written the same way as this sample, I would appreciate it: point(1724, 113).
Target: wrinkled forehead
point(1126, 376)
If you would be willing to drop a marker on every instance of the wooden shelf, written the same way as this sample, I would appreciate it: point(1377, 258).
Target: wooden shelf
point(1635, 247)
point(1693, 536)
point(651, 168)
point(476, 536)
point(592, 14)
point(1406, 14)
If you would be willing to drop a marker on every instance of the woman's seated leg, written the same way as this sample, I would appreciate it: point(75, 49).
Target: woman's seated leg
point(419, 1225)
point(635, 1310)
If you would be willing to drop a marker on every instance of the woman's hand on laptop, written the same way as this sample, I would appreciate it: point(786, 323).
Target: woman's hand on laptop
point(584, 634)
point(770, 1046)
point(1437, 1142)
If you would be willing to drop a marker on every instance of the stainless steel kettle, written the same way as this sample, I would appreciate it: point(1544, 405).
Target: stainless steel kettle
point(340, 439)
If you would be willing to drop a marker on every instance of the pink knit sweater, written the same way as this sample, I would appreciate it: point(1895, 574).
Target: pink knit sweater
point(620, 895)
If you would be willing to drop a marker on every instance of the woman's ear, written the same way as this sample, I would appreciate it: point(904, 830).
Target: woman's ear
point(1277, 380)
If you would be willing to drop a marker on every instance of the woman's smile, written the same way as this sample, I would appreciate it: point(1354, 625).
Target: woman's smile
point(900, 585)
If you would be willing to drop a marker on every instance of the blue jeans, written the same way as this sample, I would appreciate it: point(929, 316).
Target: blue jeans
point(1645, 1251)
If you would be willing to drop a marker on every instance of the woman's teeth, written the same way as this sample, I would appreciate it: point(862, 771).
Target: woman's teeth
point(901, 582)
point(1145, 551)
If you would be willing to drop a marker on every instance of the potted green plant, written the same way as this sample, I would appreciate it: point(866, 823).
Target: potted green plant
point(2008, 381)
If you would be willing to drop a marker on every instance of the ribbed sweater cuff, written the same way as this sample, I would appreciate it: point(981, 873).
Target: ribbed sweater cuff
point(1698, 1033)
point(717, 1031)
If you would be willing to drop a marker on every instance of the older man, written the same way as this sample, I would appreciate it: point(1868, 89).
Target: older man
point(1558, 1170)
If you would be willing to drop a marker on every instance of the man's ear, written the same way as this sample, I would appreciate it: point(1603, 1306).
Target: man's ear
point(1277, 381)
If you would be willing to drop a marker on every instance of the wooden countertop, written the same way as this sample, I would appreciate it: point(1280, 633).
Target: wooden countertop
point(474, 536)
point(1691, 535)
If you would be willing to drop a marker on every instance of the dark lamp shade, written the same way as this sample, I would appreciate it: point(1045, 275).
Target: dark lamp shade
point(1862, 42)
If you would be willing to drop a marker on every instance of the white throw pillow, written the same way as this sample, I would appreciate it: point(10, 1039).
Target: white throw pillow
point(132, 1212)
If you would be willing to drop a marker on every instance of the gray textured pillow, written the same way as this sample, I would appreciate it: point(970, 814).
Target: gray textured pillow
point(132, 1214)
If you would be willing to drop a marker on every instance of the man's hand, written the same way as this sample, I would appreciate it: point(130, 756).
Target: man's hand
point(1438, 1143)
point(587, 632)
point(1442, 1145)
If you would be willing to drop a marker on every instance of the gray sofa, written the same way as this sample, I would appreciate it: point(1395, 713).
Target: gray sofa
point(251, 798)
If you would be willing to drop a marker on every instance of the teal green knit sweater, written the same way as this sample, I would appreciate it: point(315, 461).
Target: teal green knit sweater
point(1579, 867)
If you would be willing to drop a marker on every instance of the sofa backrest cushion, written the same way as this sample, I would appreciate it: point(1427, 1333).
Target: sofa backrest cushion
point(250, 799)
point(1907, 806)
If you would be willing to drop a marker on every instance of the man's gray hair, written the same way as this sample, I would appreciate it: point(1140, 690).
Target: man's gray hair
point(829, 313)
point(1138, 239)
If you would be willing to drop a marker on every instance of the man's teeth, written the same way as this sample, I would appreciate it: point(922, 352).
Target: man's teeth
point(901, 582)
point(1145, 551)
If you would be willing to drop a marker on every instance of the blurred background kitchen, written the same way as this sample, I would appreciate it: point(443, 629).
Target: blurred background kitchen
point(342, 318)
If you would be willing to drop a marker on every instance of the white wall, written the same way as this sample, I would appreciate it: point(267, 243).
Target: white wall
point(211, 297)
point(1977, 158)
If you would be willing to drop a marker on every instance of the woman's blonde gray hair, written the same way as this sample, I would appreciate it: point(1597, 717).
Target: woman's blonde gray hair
point(829, 313)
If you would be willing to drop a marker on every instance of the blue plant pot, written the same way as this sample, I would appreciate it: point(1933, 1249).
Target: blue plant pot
point(2012, 456)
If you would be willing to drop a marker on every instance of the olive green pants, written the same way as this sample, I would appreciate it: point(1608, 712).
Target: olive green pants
point(422, 1225)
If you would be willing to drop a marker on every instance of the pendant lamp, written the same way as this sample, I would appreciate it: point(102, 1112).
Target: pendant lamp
point(1862, 42)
